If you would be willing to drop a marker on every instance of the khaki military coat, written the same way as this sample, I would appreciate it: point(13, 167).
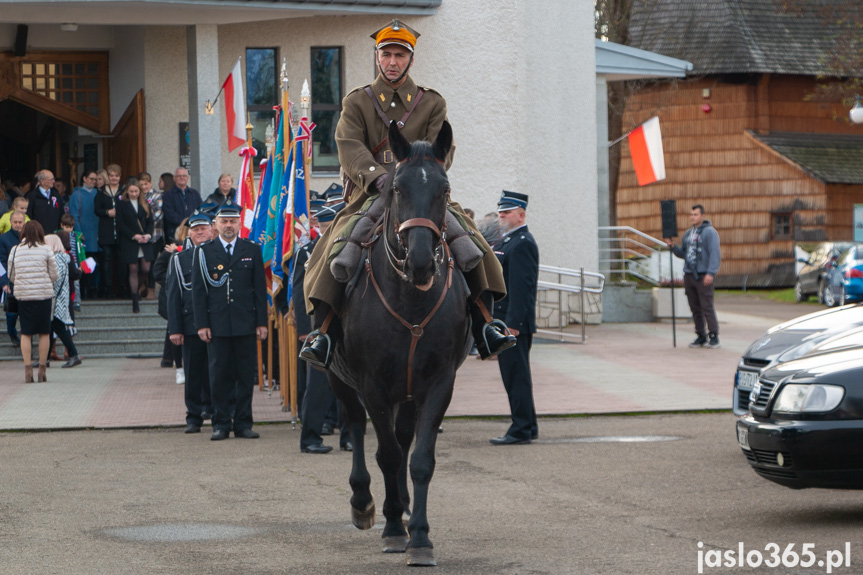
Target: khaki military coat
point(359, 131)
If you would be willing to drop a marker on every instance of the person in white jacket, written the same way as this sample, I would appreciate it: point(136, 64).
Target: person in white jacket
point(33, 271)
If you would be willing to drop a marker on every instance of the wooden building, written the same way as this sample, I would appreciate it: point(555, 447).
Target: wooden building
point(745, 134)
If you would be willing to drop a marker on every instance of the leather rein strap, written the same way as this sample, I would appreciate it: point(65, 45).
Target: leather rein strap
point(418, 329)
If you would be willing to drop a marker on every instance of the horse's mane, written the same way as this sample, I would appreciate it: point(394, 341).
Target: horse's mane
point(420, 150)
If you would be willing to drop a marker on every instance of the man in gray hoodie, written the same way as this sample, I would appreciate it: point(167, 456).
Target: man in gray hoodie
point(700, 252)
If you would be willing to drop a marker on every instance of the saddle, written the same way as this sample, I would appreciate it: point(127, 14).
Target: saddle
point(344, 258)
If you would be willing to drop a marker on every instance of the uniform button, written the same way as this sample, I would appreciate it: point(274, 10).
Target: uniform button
point(393, 105)
point(371, 168)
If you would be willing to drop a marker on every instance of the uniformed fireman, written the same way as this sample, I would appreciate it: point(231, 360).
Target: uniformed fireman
point(229, 295)
point(367, 164)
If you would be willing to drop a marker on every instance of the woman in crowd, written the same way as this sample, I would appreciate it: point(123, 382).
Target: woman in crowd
point(33, 271)
point(62, 315)
point(101, 179)
point(153, 197)
point(105, 205)
point(135, 224)
point(224, 192)
point(172, 355)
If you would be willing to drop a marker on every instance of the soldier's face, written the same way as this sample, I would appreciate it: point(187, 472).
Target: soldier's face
point(227, 227)
point(200, 234)
point(393, 61)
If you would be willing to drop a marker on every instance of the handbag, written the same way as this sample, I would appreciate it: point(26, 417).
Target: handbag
point(10, 304)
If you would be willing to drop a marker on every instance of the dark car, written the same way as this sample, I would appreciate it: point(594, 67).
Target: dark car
point(844, 281)
point(788, 341)
point(810, 278)
point(806, 422)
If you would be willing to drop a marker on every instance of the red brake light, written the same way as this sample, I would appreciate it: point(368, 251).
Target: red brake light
point(853, 273)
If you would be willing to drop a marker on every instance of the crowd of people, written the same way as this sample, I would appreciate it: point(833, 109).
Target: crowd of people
point(113, 228)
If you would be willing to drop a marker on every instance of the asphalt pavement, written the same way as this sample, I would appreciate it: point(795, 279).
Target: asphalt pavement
point(123, 490)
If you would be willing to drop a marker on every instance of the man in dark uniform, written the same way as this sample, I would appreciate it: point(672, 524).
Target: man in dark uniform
point(229, 296)
point(519, 257)
point(318, 395)
point(368, 163)
point(181, 323)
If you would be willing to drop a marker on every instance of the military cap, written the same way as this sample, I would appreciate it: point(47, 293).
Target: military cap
point(511, 200)
point(199, 218)
point(315, 205)
point(328, 213)
point(333, 194)
point(228, 210)
point(396, 32)
point(209, 209)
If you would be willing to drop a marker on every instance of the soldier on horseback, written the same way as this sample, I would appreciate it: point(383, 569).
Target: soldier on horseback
point(367, 164)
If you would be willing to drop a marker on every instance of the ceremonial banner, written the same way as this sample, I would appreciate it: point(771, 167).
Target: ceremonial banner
point(246, 193)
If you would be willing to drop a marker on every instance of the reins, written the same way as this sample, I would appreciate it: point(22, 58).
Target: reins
point(379, 230)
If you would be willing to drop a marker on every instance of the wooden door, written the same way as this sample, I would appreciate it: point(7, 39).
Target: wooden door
point(127, 146)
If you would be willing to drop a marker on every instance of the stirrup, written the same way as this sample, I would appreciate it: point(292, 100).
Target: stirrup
point(485, 351)
point(309, 355)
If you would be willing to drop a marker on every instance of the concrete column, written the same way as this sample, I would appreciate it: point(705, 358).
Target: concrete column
point(204, 131)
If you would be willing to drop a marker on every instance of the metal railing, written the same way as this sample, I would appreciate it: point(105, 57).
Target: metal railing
point(626, 252)
point(587, 282)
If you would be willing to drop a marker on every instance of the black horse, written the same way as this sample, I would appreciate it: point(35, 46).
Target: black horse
point(405, 331)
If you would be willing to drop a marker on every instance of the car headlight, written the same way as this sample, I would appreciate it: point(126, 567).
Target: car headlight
point(811, 398)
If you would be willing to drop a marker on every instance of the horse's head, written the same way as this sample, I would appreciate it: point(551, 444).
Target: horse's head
point(418, 200)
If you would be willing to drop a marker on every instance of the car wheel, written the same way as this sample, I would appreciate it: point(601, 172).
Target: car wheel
point(828, 298)
point(842, 300)
point(798, 292)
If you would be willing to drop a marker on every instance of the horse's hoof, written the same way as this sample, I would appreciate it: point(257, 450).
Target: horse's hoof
point(364, 519)
point(396, 543)
point(420, 557)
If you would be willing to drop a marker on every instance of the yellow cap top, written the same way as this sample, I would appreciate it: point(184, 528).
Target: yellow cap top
point(396, 32)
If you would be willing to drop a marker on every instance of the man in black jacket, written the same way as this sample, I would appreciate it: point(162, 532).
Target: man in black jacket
point(46, 205)
point(519, 255)
point(8, 241)
point(229, 296)
point(181, 323)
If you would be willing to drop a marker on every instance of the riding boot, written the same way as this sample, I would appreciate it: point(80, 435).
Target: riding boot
point(491, 336)
point(135, 307)
point(316, 349)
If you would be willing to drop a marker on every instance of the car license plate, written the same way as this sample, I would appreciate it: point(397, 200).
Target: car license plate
point(746, 380)
point(743, 436)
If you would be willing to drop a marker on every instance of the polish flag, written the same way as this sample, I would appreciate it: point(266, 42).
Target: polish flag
point(88, 265)
point(645, 147)
point(235, 107)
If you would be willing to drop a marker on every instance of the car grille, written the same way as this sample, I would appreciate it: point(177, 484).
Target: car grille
point(779, 472)
point(760, 402)
point(765, 457)
point(743, 399)
point(752, 362)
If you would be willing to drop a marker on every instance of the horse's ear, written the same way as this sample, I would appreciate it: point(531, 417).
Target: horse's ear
point(443, 142)
point(398, 144)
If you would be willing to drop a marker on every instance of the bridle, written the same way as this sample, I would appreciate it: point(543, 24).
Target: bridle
point(442, 254)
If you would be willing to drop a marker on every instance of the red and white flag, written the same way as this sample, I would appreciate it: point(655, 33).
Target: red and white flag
point(88, 265)
point(645, 147)
point(235, 107)
point(246, 193)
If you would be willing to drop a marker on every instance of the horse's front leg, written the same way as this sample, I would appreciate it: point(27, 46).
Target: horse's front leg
point(430, 412)
point(389, 457)
point(406, 423)
point(354, 414)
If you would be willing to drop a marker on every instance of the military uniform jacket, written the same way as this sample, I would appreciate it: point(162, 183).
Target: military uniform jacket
point(360, 130)
point(304, 321)
point(229, 294)
point(178, 288)
point(519, 257)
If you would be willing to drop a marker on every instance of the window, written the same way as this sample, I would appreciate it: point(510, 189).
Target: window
point(781, 226)
point(262, 94)
point(327, 81)
point(77, 85)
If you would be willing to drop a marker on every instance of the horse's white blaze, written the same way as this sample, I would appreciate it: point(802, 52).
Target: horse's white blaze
point(425, 176)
